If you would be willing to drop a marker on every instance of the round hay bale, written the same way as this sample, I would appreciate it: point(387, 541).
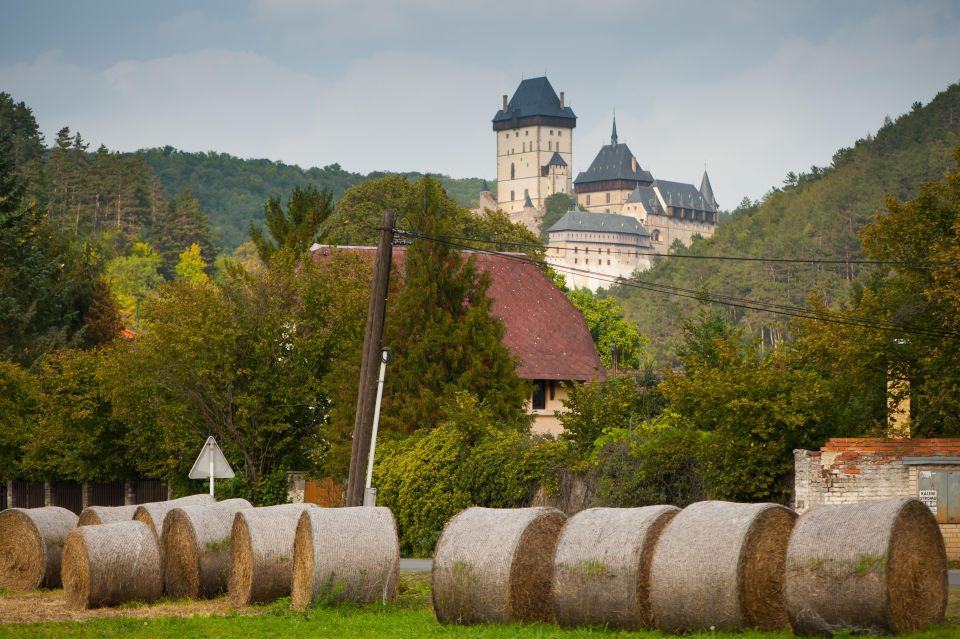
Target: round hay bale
point(110, 564)
point(720, 565)
point(196, 548)
point(496, 565)
point(153, 513)
point(877, 567)
point(345, 555)
point(96, 515)
point(261, 553)
point(601, 570)
point(31, 542)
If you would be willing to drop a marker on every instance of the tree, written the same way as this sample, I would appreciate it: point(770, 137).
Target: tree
point(297, 229)
point(17, 412)
point(190, 267)
point(181, 224)
point(441, 330)
point(595, 407)
point(359, 210)
point(614, 336)
point(132, 278)
point(555, 207)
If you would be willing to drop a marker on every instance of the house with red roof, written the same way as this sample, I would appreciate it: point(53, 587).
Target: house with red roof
point(542, 328)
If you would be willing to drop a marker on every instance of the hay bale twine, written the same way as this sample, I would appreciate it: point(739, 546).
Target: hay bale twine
point(31, 543)
point(196, 548)
point(261, 553)
point(153, 513)
point(496, 565)
point(111, 564)
point(345, 555)
point(96, 515)
point(877, 567)
point(601, 570)
point(719, 564)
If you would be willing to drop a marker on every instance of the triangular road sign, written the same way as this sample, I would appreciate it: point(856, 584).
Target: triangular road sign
point(201, 467)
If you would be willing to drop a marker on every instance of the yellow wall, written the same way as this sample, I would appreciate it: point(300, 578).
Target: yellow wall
point(544, 420)
point(598, 200)
point(528, 149)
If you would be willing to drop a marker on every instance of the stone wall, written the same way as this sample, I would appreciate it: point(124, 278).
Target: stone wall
point(865, 469)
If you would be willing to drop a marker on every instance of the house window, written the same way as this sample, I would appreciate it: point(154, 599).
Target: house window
point(539, 401)
point(553, 388)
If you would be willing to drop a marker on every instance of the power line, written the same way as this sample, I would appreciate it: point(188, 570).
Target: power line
point(714, 298)
point(920, 264)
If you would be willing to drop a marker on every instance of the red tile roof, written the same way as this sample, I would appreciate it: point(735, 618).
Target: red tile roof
point(543, 328)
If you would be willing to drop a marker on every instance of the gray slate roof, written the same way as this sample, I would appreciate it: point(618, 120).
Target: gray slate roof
point(556, 159)
point(646, 196)
point(599, 223)
point(535, 96)
point(706, 190)
point(613, 162)
point(683, 195)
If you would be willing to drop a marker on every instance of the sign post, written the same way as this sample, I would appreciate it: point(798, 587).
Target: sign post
point(216, 466)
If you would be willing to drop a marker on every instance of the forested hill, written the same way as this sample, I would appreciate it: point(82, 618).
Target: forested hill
point(233, 190)
point(818, 214)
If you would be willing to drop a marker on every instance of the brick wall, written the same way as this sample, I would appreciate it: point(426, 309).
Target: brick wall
point(866, 469)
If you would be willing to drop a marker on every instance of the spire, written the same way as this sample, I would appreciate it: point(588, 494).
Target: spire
point(484, 186)
point(527, 203)
point(706, 190)
point(613, 135)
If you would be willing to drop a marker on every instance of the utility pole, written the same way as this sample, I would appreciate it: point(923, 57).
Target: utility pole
point(366, 395)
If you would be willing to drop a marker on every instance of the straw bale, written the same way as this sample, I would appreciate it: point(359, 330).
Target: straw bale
point(111, 564)
point(602, 566)
point(496, 565)
point(96, 515)
point(261, 563)
point(345, 555)
point(31, 542)
point(196, 548)
point(877, 567)
point(153, 513)
point(720, 565)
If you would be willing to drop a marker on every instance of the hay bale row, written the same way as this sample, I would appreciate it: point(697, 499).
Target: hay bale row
point(154, 513)
point(496, 565)
point(345, 554)
point(602, 566)
point(261, 553)
point(875, 567)
point(111, 564)
point(95, 515)
point(31, 545)
point(195, 542)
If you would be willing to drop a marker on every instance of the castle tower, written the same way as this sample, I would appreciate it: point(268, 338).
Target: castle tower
point(612, 176)
point(534, 146)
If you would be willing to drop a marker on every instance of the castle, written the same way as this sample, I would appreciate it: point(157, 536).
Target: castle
point(625, 215)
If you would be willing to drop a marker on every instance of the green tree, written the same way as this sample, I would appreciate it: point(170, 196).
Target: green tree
point(307, 211)
point(180, 224)
point(441, 330)
point(17, 413)
point(358, 212)
point(555, 207)
point(190, 267)
point(613, 335)
point(132, 278)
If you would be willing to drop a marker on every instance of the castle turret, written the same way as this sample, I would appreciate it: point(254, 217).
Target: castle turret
point(706, 190)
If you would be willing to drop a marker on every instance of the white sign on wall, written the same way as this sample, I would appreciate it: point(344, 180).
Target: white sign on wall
point(929, 499)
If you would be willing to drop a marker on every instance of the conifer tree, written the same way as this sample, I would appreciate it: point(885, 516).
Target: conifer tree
point(180, 224)
point(298, 228)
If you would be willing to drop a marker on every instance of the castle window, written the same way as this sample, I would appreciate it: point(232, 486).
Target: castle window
point(526, 133)
point(588, 199)
point(656, 236)
point(526, 193)
point(586, 261)
point(608, 262)
point(513, 174)
point(575, 260)
point(576, 249)
point(588, 250)
point(608, 198)
point(551, 131)
point(511, 196)
point(559, 132)
point(508, 136)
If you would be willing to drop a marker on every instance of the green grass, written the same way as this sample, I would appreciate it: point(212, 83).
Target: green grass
point(409, 617)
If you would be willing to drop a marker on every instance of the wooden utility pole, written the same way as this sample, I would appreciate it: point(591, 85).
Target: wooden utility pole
point(366, 395)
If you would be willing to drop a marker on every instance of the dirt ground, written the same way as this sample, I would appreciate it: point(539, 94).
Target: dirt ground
point(51, 605)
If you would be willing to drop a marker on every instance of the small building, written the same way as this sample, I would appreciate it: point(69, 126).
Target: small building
point(593, 250)
point(847, 471)
point(542, 328)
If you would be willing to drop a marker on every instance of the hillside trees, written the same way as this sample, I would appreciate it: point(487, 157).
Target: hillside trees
point(614, 336)
point(179, 224)
point(555, 207)
point(299, 227)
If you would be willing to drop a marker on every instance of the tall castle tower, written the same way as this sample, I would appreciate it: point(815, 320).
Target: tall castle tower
point(534, 147)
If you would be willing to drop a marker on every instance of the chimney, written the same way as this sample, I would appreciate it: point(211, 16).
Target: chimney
point(504, 104)
point(561, 99)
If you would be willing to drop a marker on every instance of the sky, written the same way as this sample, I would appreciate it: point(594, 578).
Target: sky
point(751, 89)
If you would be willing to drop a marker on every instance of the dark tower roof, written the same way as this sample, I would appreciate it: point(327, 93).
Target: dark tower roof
point(534, 102)
point(706, 190)
point(613, 136)
point(615, 162)
point(484, 186)
point(527, 202)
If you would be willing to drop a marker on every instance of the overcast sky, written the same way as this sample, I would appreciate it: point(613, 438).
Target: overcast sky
point(753, 89)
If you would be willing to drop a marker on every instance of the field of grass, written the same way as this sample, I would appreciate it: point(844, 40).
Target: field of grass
point(411, 616)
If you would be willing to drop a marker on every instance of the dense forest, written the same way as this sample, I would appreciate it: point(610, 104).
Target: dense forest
point(233, 190)
point(814, 214)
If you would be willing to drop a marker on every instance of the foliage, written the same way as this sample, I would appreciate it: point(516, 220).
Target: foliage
point(179, 225)
point(131, 278)
point(820, 217)
point(753, 410)
point(190, 267)
point(243, 361)
point(655, 462)
point(17, 411)
point(440, 329)
point(555, 207)
point(74, 435)
point(468, 459)
point(298, 228)
point(615, 337)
